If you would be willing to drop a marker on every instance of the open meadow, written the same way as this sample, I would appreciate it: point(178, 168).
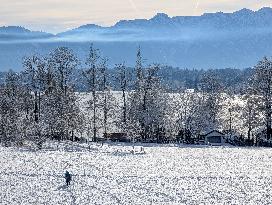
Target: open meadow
point(153, 174)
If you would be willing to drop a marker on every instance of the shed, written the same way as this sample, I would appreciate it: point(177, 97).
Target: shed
point(116, 137)
point(214, 138)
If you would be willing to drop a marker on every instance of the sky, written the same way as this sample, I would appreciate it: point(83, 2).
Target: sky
point(60, 15)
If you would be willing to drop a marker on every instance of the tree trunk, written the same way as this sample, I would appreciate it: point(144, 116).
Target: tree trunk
point(249, 133)
point(36, 114)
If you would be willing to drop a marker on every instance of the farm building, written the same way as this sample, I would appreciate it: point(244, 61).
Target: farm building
point(214, 138)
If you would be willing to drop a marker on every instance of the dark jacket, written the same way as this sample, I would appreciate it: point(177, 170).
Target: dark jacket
point(68, 176)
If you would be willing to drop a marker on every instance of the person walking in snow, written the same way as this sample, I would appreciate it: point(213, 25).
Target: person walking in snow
point(68, 178)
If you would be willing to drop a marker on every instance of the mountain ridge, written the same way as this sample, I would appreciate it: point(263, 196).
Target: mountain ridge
point(212, 40)
point(159, 18)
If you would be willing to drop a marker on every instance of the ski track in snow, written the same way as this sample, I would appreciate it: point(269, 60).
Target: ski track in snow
point(164, 175)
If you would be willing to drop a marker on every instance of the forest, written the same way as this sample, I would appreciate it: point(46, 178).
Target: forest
point(57, 96)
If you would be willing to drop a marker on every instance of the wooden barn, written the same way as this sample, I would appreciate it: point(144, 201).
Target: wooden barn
point(214, 138)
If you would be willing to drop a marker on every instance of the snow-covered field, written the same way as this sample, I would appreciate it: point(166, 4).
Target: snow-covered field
point(113, 175)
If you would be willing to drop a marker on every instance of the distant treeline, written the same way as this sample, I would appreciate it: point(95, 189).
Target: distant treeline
point(175, 79)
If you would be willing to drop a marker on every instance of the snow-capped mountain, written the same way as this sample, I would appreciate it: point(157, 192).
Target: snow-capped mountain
point(212, 40)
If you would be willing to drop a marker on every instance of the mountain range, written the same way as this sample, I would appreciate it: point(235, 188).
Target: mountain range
point(212, 40)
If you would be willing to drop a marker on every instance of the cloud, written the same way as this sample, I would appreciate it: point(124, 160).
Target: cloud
point(59, 15)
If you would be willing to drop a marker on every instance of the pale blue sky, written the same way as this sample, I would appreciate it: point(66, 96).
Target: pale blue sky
point(60, 15)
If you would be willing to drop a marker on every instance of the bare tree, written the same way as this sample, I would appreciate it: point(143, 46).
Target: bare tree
point(13, 122)
point(251, 115)
point(108, 100)
point(59, 105)
point(91, 74)
point(63, 61)
point(147, 104)
point(261, 85)
point(209, 104)
point(123, 78)
point(35, 77)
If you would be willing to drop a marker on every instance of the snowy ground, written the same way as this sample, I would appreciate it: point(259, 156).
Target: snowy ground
point(113, 175)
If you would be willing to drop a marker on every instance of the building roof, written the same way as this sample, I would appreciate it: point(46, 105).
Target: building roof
point(214, 133)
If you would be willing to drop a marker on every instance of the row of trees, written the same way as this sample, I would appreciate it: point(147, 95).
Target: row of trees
point(41, 102)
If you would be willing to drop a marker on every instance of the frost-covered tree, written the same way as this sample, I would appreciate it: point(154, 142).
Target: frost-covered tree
point(91, 74)
point(230, 114)
point(123, 78)
point(35, 79)
point(106, 98)
point(139, 70)
point(59, 108)
point(13, 118)
point(184, 106)
point(251, 115)
point(62, 61)
point(261, 85)
point(147, 102)
point(209, 103)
